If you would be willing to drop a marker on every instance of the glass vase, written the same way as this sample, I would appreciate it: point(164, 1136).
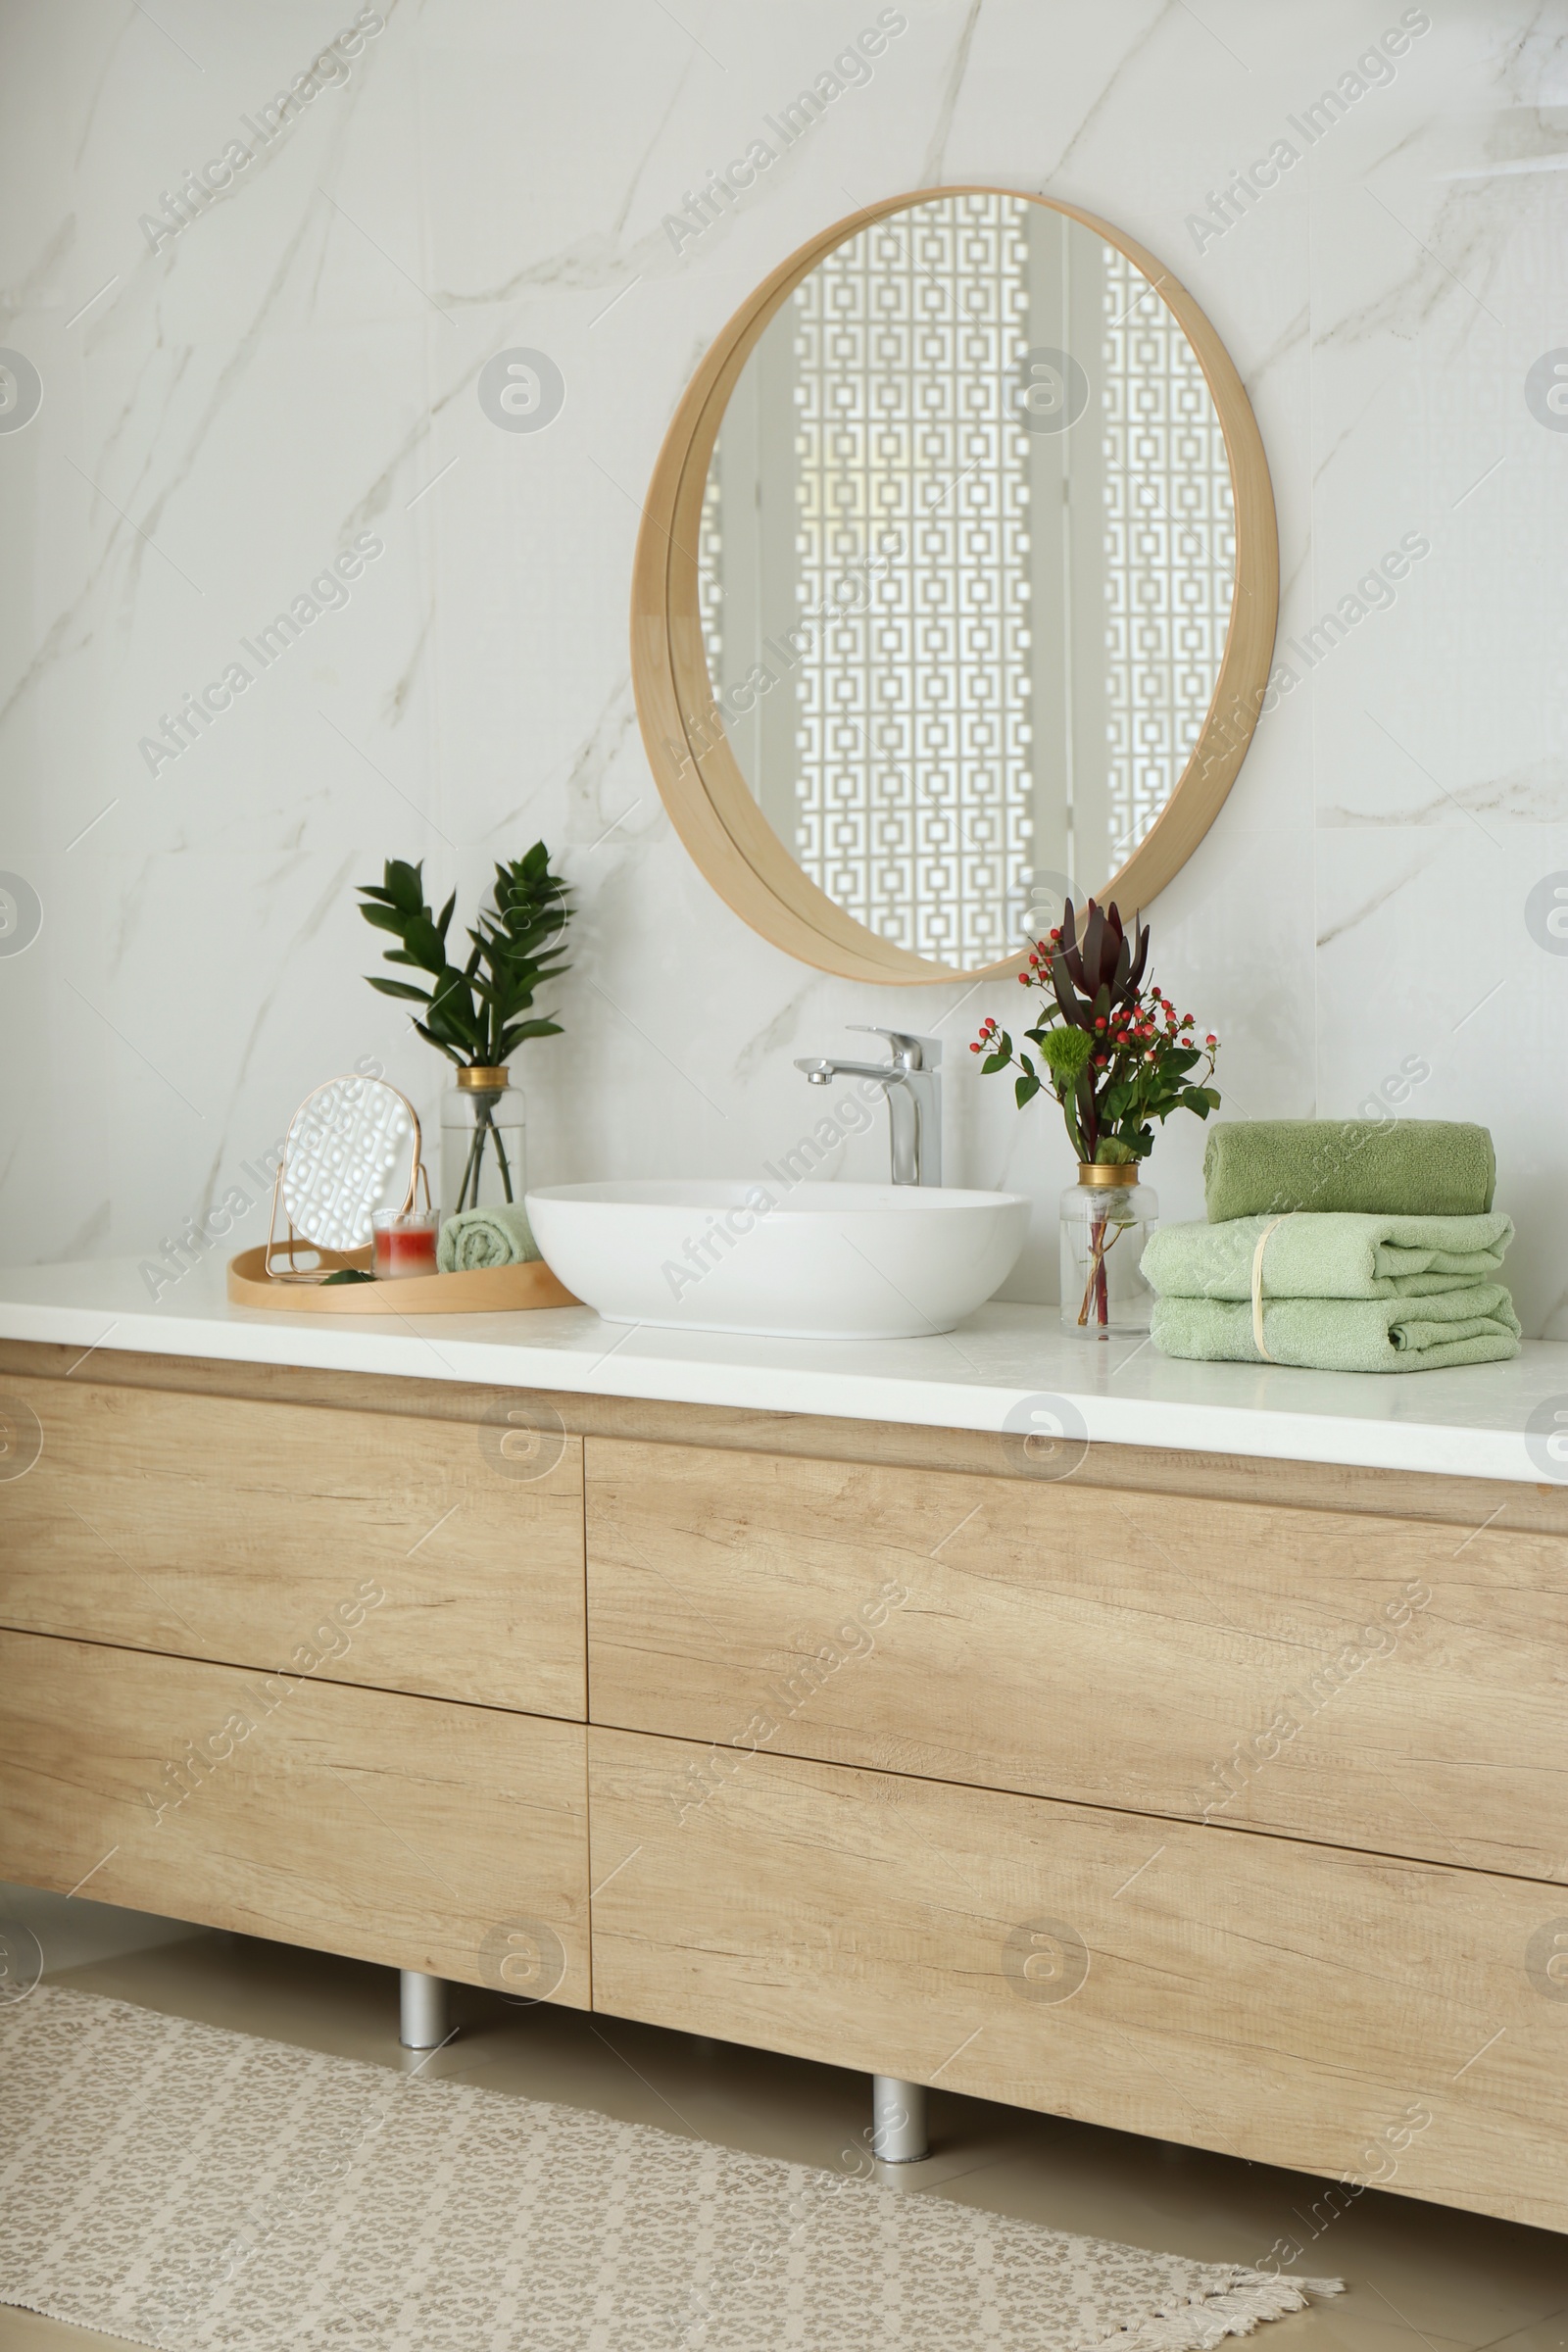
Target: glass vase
point(1106, 1217)
point(482, 1162)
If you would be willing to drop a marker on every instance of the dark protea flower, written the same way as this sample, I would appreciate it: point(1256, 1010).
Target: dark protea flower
point(1116, 1054)
point(1103, 970)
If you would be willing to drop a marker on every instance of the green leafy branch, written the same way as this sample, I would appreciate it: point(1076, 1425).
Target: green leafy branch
point(475, 1012)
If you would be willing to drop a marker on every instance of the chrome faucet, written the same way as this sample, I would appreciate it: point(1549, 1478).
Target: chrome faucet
point(912, 1083)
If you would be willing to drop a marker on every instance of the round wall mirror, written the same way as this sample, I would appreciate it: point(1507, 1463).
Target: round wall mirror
point(957, 588)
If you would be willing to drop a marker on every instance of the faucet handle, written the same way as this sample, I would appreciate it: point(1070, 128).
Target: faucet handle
point(914, 1052)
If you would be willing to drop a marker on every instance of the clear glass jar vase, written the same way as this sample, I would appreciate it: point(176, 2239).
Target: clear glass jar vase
point(482, 1156)
point(1106, 1217)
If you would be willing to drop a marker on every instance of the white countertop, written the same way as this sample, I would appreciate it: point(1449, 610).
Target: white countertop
point(994, 1372)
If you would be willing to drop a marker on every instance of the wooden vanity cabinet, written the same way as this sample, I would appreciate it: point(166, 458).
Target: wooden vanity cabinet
point(406, 1830)
point(394, 1549)
point(1287, 2002)
point(1219, 1800)
point(1390, 1684)
point(297, 1660)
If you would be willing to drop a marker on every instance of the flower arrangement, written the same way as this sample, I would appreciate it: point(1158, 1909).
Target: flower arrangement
point(1116, 1054)
point(1118, 1058)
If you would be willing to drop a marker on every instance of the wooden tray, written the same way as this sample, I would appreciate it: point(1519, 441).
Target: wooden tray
point(488, 1289)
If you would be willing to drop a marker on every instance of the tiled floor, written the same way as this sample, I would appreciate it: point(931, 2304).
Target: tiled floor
point(1418, 2275)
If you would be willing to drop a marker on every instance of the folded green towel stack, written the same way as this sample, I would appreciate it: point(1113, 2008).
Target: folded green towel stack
point(485, 1237)
point(1343, 1257)
point(1340, 1246)
point(1476, 1325)
point(1391, 1167)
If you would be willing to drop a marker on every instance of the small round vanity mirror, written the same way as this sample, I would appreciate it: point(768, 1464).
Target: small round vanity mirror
point(957, 586)
point(353, 1148)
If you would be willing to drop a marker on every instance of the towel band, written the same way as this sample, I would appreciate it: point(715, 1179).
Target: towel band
point(1257, 1289)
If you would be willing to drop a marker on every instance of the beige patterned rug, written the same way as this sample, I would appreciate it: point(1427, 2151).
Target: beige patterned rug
point(184, 2186)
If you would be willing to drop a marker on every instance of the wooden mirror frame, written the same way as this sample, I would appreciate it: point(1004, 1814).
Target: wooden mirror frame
point(713, 807)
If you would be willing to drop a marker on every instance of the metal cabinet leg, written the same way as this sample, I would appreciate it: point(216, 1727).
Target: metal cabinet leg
point(423, 2004)
point(898, 2120)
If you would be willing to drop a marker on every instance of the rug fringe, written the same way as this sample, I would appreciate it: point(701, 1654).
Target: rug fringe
point(1253, 2295)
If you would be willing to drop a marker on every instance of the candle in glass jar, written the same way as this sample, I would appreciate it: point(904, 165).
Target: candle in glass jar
point(402, 1243)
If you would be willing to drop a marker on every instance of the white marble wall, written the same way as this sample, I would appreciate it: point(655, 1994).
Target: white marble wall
point(298, 366)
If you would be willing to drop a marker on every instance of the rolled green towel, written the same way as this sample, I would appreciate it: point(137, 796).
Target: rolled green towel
point(1475, 1326)
point(1391, 1167)
point(485, 1237)
point(1308, 1256)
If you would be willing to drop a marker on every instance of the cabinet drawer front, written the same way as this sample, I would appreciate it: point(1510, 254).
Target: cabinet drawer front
point(406, 1830)
point(1386, 1684)
point(258, 1533)
point(1293, 2005)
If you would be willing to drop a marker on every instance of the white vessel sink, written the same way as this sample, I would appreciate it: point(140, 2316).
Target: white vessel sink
point(819, 1261)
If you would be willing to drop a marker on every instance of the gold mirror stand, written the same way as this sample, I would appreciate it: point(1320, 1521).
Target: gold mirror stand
point(328, 1260)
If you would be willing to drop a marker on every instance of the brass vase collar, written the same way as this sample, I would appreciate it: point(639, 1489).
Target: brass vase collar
point(1111, 1172)
point(483, 1081)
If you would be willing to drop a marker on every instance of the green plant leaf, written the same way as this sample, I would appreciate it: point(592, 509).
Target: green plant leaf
point(425, 942)
point(520, 1036)
point(1026, 1090)
point(385, 918)
point(451, 1017)
point(399, 988)
point(405, 883)
point(431, 1039)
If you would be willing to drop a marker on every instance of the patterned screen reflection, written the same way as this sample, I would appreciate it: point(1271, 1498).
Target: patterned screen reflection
point(968, 558)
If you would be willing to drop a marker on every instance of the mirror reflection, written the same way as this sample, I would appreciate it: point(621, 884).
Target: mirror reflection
point(966, 568)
